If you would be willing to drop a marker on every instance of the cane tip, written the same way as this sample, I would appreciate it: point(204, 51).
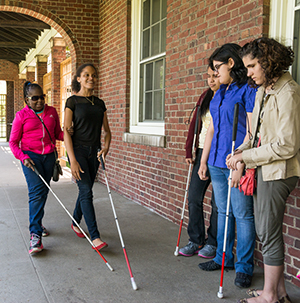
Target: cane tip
point(220, 295)
point(111, 269)
point(133, 284)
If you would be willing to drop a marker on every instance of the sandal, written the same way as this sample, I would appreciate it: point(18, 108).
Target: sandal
point(285, 299)
point(252, 292)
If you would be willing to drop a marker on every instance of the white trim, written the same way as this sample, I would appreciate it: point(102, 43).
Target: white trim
point(42, 48)
point(153, 58)
point(282, 21)
point(148, 128)
point(135, 54)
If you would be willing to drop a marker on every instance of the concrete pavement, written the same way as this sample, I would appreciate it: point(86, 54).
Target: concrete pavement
point(69, 271)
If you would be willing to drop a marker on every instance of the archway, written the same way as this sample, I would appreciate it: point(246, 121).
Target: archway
point(52, 20)
point(16, 103)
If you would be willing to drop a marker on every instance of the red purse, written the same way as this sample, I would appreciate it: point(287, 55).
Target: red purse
point(248, 181)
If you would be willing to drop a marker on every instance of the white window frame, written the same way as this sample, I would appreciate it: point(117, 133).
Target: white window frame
point(282, 14)
point(151, 128)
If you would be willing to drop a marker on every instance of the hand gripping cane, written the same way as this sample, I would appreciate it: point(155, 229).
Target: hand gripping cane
point(118, 227)
point(36, 171)
point(187, 184)
point(234, 131)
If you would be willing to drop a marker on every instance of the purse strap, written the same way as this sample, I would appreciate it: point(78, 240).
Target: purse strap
point(55, 151)
point(258, 143)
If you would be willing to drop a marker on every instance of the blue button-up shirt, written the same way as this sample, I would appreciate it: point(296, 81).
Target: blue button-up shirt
point(222, 110)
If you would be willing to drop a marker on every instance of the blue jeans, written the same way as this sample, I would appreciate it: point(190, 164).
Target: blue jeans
point(86, 156)
point(37, 190)
point(197, 190)
point(241, 212)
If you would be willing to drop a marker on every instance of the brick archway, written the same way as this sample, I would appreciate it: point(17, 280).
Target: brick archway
point(51, 19)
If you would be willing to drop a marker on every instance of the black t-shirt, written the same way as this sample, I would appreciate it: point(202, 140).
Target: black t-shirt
point(87, 120)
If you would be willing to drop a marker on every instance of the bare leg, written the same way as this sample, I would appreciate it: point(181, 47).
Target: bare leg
point(274, 285)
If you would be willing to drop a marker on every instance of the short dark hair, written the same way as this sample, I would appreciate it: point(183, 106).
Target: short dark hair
point(75, 84)
point(230, 50)
point(28, 86)
point(273, 57)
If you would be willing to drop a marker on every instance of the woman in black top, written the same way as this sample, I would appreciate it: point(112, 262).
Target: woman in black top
point(87, 114)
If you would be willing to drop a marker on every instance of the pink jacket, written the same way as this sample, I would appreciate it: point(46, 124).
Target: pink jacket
point(29, 134)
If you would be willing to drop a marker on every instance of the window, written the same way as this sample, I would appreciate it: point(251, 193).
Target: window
point(285, 27)
point(296, 43)
point(147, 104)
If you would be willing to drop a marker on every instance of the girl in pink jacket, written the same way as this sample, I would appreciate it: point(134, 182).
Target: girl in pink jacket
point(31, 144)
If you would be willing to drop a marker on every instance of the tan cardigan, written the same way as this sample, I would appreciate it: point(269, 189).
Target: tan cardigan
point(279, 153)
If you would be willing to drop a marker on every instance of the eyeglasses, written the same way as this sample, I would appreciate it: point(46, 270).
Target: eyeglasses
point(36, 98)
point(217, 67)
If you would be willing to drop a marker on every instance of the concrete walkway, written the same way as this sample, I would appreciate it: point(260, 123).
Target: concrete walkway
point(69, 271)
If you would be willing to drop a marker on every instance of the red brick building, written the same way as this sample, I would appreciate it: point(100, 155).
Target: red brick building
point(152, 58)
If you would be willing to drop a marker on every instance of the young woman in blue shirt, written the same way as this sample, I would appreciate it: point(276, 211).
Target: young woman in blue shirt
point(234, 89)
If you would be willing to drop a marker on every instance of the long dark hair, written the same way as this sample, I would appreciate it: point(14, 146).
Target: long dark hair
point(273, 57)
point(204, 107)
point(27, 87)
point(75, 84)
point(231, 50)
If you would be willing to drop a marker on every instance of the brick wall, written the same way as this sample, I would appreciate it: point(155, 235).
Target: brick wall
point(155, 177)
point(9, 72)
point(41, 70)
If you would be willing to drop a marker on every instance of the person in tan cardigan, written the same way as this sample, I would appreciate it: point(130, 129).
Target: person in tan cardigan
point(276, 122)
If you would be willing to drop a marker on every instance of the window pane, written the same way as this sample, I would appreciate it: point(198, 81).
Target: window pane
point(158, 101)
point(164, 9)
point(155, 11)
point(146, 43)
point(155, 40)
point(296, 47)
point(149, 76)
point(163, 35)
point(141, 107)
point(148, 106)
point(146, 14)
point(159, 75)
point(297, 2)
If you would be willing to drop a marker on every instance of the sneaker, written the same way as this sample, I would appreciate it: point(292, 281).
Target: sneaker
point(207, 252)
point(242, 280)
point(35, 244)
point(45, 232)
point(212, 265)
point(190, 249)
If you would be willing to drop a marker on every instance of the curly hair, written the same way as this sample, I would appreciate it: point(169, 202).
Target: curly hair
point(27, 87)
point(230, 50)
point(273, 57)
point(75, 84)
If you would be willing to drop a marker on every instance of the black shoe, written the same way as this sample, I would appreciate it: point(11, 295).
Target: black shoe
point(212, 265)
point(242, 280)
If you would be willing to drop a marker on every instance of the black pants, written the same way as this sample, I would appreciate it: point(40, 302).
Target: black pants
point(196, 227)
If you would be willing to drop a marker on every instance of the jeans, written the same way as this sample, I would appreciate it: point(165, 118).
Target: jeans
point(37, 190)
point(241, 213)
point(197, 189)
point(86, 156)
